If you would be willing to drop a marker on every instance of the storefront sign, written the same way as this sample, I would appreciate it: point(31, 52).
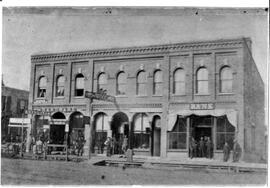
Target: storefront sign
point(100, 95)
point(202, 106)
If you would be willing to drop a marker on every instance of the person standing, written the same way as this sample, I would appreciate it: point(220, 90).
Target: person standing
point(201, 147)
point(108, 146)
point(237, 151)
point(209, 148)
point(226, 152)
point(125, 144)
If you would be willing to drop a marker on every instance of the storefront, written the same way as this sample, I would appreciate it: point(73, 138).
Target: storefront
point(219, 125)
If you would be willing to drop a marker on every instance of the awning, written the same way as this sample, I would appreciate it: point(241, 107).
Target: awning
point(230, 113)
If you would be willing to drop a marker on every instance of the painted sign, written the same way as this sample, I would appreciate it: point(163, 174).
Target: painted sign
point(100, 95)
point(202, 106)
point(20, 120)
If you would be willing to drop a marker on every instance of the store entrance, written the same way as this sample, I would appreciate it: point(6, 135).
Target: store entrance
point(201, 144)
point(57, 134)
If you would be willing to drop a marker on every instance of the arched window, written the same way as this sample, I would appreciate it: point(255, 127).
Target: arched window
point(60, 86)
point(157, 90)
point(177, 137)
point(102, 81)
point(179, 85)
point(226, 80)
point(202, 81)
point(121, 83)
point(142, 83)
point(79, 85)
point(141, 136)
point(42, 86)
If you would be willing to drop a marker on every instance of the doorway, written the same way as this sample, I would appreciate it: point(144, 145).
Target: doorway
point(120, 127)
point(57, 134)
point(156, 132)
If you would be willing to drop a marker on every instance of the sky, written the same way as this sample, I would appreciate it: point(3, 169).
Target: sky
point(28, 31)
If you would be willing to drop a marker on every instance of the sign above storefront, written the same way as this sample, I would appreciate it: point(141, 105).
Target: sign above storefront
point(202, 106)
point(100, 95)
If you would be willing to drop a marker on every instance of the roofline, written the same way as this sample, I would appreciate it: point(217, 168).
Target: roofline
point(15, 89)
point(164, 48)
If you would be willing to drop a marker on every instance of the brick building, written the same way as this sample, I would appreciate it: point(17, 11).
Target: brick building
point(165, 94)
point(14, 101)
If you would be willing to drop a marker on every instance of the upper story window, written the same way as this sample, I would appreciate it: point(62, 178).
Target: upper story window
point(202, 81)
point(60, 86)
point(179, 85)
point(42, 85)
point(121, 83)
point(226, 80)
point(158, 79)
point(141, 83)
point(79, 85)
point(101, 81)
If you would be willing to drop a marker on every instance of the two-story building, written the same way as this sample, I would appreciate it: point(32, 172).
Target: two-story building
point(165, 94)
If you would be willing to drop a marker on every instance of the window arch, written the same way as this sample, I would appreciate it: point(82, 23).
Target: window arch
point(121, 83)
point(226, 80)
point(141, 83)
point(42, 86)
point(141, 136)
point(158, 80)
point(179, 79)
point(101, 81)
point(79, 85)
point(60, 86)
point(202, 81)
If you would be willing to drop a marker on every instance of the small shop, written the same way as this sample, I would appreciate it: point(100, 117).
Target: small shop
point(187, 126)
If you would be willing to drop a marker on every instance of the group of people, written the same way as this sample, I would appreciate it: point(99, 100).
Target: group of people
point(237, 151)
point(112, 147)
point(202, 148)
point(76, 143)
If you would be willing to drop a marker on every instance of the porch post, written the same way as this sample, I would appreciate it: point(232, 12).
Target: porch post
point(214, 136)
point(188, 135)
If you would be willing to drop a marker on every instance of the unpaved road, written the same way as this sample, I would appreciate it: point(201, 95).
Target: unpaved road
point(30, 172)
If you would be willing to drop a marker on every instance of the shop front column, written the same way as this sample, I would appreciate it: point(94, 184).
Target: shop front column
point(188, 135)
point(88, 137)
point(214, 131)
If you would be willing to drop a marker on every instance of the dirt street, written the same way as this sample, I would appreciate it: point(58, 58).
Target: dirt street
point(15, 171)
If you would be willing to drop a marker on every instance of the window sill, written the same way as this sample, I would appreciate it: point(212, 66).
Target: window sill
point(179, 95)
point(225, 94)
point(41, 98)
point(177, 150)
point(79, 97)
point(62, 97)
point(121, 96)
point(157, 95)
point(198, 94)
point(141, 96)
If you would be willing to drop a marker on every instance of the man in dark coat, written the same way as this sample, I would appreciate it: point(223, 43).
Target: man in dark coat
point(192, 148)
point(237, 151)
point(201, 147)
point(226, 152)
point(209, 148)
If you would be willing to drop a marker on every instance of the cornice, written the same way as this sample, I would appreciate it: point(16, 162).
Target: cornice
point(144, 50)
point(112, 106)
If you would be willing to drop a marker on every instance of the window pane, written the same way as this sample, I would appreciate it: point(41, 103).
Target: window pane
point(226, 86)
point(179, 88)
point(61, 81)
point(202, 87)
point(158, 76)
point(80, 82)
point(141, 122)
point(229, 127)
point(177, 140)
point(142, 89)
point(121, 78)
point(229, 139)
point(220, 140)
point(142, 77)
point(202, 74)
point(179, 75)
point(42, 82)
point(121, 89)
point(141, 140)
point(226, 73)
point(180, 125)
point(221, 121)
point(102, 79)
point(158, 88)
